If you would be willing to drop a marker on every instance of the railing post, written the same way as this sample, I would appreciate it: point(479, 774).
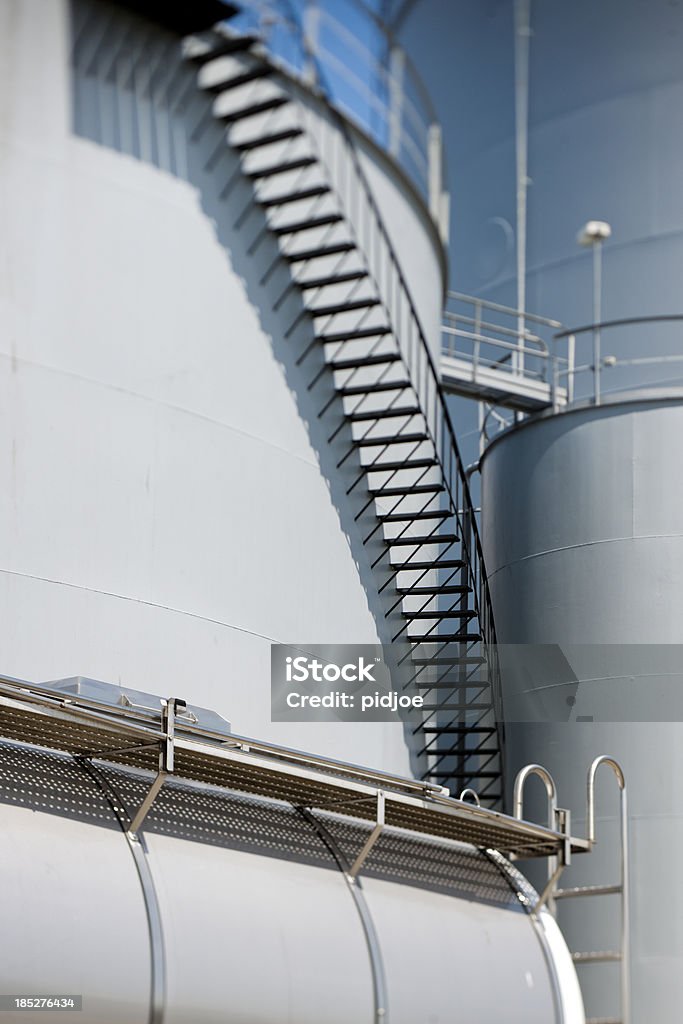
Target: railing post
point(311, 33)
point(397, 63)
point(435, 163)
point(571, 362)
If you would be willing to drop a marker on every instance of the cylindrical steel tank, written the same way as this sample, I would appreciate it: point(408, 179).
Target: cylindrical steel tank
point(583, 535)
point(171, 505)
point(255, 920)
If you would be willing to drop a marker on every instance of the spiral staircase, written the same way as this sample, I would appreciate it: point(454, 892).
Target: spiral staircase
point(403, 453)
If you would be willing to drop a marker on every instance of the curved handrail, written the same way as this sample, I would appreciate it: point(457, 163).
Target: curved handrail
point(550, 788)
point(403, 106)
point(625, 322)
point(385, 268)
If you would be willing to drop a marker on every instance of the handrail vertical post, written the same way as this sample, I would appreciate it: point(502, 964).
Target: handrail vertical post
point(571, 363)
point(397, 64)
point(435, 163)
point(311, 36)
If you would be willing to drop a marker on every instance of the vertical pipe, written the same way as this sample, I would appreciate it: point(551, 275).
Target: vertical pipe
point(625, 917)
point(522, 43)
point(397, 62)
point(435, 157)
point(597, 316)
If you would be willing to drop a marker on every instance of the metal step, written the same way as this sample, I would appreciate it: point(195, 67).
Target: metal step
point(462, 730)
point(587, 890)
point(307, 225)
point(358, 362)
point(464, 754)
point(396, 492)
point(294, 197)
point(320, 252)
point(351, 335)
point(223, 48)
point(465, 775)
point(283, 168)
point(448, 588)
point(383, 441)
point(330, 280)
point(450, 638)
point(414, 517)
point(460, 685)
point(377, 467)
point(344, 307)
point(443, 563)
point(351, 390)
point(383, 414)
point(251, 75)
point(253, 109)
point(603, 1020)
point(267, 140)
point(452, 613)
point(448, 659)
point(456, 707)
point(433, 538)
point(597, 957)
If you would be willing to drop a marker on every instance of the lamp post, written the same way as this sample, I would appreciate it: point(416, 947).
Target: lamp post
point(592, 235)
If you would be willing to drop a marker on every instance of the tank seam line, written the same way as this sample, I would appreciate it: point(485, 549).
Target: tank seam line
point(584, 544)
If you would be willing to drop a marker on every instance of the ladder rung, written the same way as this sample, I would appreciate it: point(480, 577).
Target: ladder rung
point(597, 957)
point(307, 225)
point(587, 890)
point(294, 197)
point(267, 140)
point(344, 307)
point(253, 109)
point(281, 168)
point(320, 252)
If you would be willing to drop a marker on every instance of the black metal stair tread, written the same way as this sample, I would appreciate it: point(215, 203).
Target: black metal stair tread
point(319, 252)
point(452, 613)
point(253, 109)
point(281, 168)
point(458, 685)
point(307, 225)
point(224, 47)
point(354, 335)
point(383, 441)
point(414, 517)
point(294, 197)
point(450, 638)
point(330, 280)
point(377, 467)
point(431, 538)
point(445, 563)
point(357, 362)
point(344, 307)
point(448, 588)
point(352, 390)
point(266, 140)
point(436, 730)
point(462, 754)
point(448, 659)
point(456, 707)
point(362, 415)
point(396, 492)
point(250, 75)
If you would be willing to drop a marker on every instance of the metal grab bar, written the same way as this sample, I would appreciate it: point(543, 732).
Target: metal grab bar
point(518, 792)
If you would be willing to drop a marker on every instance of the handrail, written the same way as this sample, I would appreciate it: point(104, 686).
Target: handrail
point(400, 116)
point(626, 322)
point(437, 418)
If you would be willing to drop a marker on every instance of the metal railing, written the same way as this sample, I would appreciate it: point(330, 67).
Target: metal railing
point(372, 238)
point(367, 75)
point(488, 335)
point(589, 375)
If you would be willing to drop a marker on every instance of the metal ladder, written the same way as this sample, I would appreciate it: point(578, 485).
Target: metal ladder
point(408, 470)
point(558, 817)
